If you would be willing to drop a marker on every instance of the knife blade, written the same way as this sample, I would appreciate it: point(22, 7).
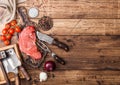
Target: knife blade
point(13, 59)
point(3, 70)
point(50, 40)
point(17, 63)
point(7, 63)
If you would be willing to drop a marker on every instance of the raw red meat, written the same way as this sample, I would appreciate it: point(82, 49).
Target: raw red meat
point(27, 44)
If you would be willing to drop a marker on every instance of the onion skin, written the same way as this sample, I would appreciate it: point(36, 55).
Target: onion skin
point(49, 66)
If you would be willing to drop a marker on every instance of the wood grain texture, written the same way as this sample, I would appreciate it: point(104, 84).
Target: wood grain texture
point(89, 53)
point(92, 60)
point(84, 27)
point(78, 78)
point(91, 28)
point(79, 17)
point(77, 9)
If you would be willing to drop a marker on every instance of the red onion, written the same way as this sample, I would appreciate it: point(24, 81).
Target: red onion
point(49, 66)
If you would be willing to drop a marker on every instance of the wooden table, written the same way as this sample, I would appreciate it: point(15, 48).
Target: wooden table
point(91, 28)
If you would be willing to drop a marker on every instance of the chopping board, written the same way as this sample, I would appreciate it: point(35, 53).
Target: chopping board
point(10, 75)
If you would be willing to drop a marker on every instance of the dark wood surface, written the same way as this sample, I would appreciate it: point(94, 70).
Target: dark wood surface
point(91, 28)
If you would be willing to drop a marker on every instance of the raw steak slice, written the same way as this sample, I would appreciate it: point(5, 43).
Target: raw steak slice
point(27, 44)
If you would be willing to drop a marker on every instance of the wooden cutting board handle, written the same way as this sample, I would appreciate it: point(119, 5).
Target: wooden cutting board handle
point(17, 79)
point(24, 72)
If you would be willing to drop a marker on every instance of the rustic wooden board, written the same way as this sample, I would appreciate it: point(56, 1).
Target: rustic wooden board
point(92, 60)
point(84, 27)
point(91, 28)
point(81, 77)
point(89, 53)
point(102, 16)
point(77, 9)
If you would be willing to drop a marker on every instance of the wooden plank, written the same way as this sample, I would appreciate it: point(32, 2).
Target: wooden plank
point(80, 26)
point(84, 27)
point(77, 77)
point(90, 41)
point(93, 59)
point(76, 9)
point(89, 53)
point(88, 60)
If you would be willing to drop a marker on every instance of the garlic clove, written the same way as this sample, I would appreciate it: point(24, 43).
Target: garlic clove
point(43, 76)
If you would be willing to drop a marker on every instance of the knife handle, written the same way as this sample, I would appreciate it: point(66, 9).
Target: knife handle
point(58, 59)
point(24, 72)
point(61, 45)
point(17, 80)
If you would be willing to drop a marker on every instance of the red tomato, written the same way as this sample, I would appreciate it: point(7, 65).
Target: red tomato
point(6, 42)
point(2, 37)
point(13, 22)
point(17, 29)
point(4, 31)
point(7, 26)
point(11, 31)
point(8, 36)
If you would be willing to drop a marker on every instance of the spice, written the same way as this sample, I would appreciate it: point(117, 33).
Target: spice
point(45, 23)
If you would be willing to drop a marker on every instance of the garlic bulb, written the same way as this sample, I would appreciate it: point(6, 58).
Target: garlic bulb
point(43, 76)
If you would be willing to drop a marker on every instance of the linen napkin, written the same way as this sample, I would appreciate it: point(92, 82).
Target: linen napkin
point(8, 11)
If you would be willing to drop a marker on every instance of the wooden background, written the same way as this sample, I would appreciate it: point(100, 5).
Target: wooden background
point(91, 28)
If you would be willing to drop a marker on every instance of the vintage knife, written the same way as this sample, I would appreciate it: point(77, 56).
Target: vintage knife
point(50, 40)
point(11, 63)
point(46, 49)
point(17, 63)
point(3, 70)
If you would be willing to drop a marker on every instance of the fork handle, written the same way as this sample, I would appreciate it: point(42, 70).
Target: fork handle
point(58, 59)
point(24, 72)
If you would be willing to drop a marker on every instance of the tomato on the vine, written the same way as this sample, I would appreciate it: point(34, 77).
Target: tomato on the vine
point(8, 31)
point(17, 29)
point(6, 42)
point(4, 31)
point(11, 31)
point(2, 37)
point(13, 22)
point(8, 36)
point(7, 26)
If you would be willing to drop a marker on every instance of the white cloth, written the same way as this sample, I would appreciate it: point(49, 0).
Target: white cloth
point(8, 10)
point(20, 1)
